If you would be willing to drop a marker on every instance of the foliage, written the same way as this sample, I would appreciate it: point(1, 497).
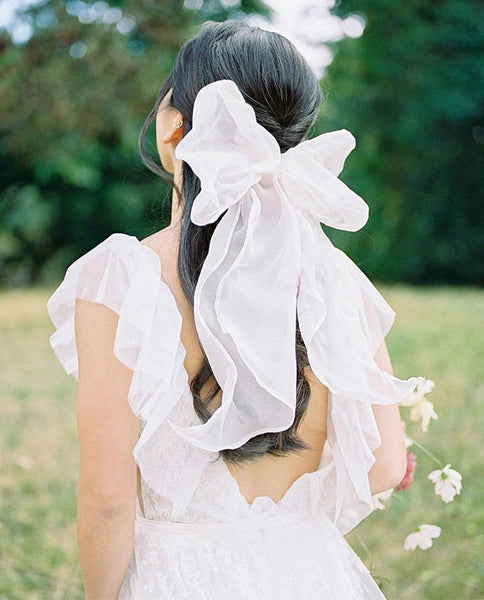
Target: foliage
point(69, 127)
point(74, 97)
point(411, 89)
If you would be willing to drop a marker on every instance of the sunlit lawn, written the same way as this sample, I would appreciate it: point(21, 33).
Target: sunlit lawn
point(436, 335)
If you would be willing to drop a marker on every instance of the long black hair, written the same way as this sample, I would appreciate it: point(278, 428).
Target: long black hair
point(285, 95)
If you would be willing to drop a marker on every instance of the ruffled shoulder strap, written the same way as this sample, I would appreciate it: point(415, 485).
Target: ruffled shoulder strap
point(102, 275)
point(125, 275)
point(343, 320)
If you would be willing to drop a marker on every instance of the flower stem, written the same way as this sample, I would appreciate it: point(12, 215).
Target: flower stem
point(364, 546)
point(429, 454)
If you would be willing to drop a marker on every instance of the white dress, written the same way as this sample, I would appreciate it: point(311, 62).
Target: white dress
point(199, 539)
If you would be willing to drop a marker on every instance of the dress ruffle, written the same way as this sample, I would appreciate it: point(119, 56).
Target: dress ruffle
point(343, 321)
point(125, 276)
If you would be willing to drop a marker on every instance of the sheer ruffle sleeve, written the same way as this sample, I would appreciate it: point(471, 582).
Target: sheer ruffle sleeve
point(124, 275)
point(343, 320)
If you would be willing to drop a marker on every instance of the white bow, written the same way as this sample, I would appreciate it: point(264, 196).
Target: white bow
point(230, 153)
point(267, 245)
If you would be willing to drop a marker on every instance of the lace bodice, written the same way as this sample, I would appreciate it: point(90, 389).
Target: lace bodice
point(211, 493)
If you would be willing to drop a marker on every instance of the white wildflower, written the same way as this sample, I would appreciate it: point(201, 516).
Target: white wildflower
point(378, 499)
point(423, 410)
point(426, 386)
point(422, 537)
point(421, 389)
point(447, 481)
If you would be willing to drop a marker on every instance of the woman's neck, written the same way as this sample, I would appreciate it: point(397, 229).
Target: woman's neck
point(176, 205)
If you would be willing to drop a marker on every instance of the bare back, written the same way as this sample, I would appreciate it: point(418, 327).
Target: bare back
point(268, 475)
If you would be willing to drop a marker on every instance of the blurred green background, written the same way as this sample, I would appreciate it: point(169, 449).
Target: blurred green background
point(73, 98)
point(77, 80)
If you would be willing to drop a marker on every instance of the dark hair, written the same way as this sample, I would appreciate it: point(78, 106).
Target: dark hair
point(285, 94)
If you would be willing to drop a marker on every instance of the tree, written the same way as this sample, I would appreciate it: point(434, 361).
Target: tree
point(411, 90)
point(73, 99)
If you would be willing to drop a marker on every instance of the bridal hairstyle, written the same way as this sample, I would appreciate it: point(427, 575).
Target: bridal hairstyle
point(285, 95)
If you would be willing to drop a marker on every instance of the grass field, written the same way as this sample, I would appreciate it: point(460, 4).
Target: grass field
point(436, 335)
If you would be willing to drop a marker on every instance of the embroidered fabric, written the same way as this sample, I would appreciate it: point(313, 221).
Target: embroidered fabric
point(286, 559)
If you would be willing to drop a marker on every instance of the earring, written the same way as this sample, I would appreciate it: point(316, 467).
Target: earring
point(180, 125)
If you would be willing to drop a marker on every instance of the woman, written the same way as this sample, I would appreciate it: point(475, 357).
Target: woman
point(236, 401)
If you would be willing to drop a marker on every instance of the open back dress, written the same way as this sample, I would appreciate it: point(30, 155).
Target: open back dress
point(197, 537)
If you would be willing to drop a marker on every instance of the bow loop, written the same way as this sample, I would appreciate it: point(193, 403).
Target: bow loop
point(226, 148)
point(231, 153)
point(308, 176)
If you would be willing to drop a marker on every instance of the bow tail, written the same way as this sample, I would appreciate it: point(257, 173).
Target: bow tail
point(245, 312)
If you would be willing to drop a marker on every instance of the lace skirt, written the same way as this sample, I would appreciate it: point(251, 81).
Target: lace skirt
point(277, 557)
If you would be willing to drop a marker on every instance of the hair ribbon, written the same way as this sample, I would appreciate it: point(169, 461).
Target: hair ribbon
point(268, 261)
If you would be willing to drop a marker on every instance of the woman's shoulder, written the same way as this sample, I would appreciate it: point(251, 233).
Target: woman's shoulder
point(159, 238)
point(120, 246)
point(124, 244)
point(122, 255)
point(123, 274)
point(116, 268)
point(164, 243)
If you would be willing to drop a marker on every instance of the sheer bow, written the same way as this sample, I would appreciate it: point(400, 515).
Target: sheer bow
point(269, 257)
point(231, 153)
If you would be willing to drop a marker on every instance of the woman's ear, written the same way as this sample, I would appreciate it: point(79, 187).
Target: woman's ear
point(175, 132)
point(169, 131)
